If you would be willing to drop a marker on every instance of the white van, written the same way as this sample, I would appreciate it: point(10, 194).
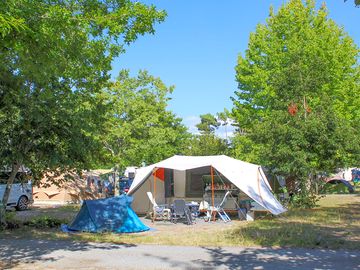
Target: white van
point(20, 194)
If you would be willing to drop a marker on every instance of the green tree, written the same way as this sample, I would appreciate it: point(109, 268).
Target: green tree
point(298, 99)
point(206, 145)
point(207, 142)
point(208, 123)
point(224, 120)
point(54, 57)
point(141, 128)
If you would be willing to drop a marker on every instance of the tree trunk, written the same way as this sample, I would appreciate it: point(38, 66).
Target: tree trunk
point(10, 181)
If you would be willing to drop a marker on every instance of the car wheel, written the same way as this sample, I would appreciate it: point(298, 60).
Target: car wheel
point(22, 203)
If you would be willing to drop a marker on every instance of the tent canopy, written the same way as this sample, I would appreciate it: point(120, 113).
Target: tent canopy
point(248, 177)
point(111, 214)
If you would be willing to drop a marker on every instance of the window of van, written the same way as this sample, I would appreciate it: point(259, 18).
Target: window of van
point(19, 178)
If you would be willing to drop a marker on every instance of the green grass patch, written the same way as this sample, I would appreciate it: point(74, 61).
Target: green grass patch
point(69, 207)
point(334, 224)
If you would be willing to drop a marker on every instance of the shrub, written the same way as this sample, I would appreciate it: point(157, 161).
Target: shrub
point(44, 222)
point(11, 222)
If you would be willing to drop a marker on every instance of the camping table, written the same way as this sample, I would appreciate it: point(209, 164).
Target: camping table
point(193, 207)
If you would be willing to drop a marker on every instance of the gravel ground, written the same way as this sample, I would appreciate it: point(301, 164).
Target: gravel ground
point(51, 254)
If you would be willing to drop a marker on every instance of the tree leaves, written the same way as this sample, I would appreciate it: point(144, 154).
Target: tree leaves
point(356, 2)
point(140, 128)
point(298, 86)
point(55, 57)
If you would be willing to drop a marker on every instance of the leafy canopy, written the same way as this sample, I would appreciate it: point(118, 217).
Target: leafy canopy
point(54, 57)
point(207, 142)
point(298, 98)
point(140, 128)
point(208, 123)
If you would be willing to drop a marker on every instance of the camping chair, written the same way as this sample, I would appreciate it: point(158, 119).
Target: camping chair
point(158, 210)
point(181, 211)
point(218, 209)
point(204, 208)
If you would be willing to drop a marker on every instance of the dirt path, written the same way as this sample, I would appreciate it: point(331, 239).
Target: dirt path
point(45, 254)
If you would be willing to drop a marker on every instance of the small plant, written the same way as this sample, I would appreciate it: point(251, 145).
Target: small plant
point(11, 222)
point(304, 200)
point(44, 222)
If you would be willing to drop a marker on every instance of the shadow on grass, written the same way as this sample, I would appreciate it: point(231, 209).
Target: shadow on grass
point(16, 251)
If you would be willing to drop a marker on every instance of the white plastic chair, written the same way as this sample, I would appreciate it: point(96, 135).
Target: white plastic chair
point(159, 210)
point(204, 206)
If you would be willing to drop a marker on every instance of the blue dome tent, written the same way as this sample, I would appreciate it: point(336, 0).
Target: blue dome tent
point(108, 215)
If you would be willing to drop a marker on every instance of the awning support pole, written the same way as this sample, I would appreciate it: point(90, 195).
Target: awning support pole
point(212, 189)
point(154, 211)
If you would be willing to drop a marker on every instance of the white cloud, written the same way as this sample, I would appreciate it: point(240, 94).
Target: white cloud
point(190, 122)
point(225, 131)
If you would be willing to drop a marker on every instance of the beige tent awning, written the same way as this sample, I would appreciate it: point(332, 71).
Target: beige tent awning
point(248, 177)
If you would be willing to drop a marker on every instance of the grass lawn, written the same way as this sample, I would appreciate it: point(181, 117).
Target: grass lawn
point(334, 224)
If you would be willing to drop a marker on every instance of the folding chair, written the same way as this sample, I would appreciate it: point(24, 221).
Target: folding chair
point(218, 209)
point(181, 211)
point(158, 210)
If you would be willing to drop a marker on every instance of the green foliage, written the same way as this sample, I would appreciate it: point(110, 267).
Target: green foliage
point(208, 123)
point(207, 142)
point(356, 2)
point(43, 222)
point(304, 200)
point(206, 145)
point(140, 128)
point(9, 24)
point(10, 222)
point(54, 57)
point(298, 99)
point(50, 71)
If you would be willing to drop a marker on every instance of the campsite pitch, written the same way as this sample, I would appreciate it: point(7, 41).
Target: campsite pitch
point(335, 224)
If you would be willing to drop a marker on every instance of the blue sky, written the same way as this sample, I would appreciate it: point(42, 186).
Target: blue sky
point(197, 46)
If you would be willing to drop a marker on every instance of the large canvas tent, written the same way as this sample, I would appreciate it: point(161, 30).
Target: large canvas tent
point(111, 215)
point(247, 177)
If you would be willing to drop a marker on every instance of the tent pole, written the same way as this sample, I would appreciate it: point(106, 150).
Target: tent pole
point(212, 189)
point(154, 212)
